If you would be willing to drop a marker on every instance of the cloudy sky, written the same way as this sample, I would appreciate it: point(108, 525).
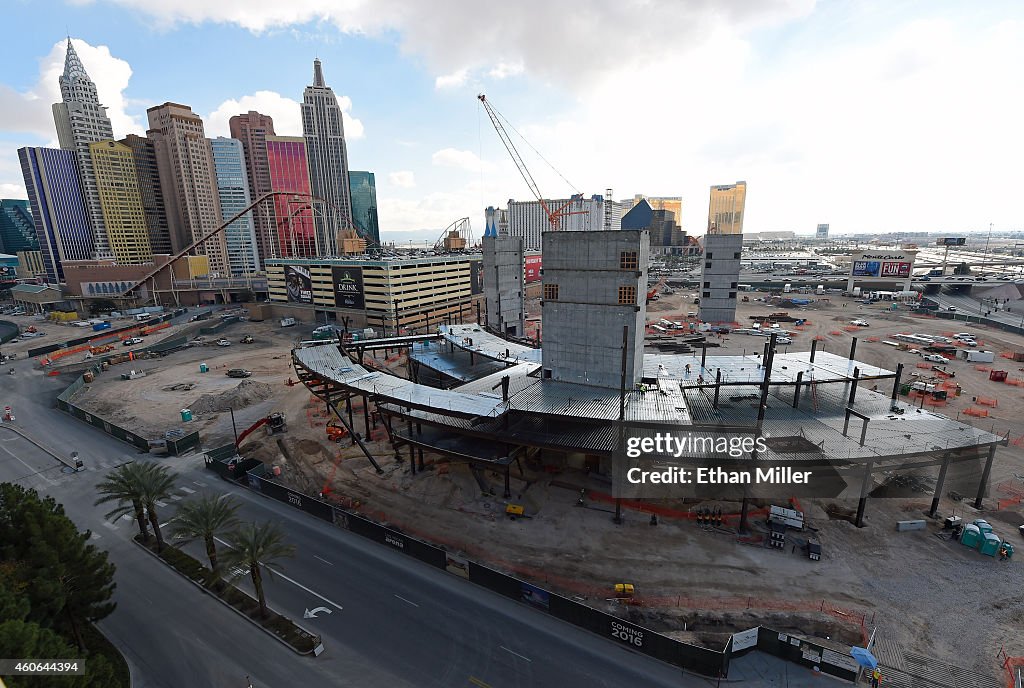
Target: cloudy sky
point(871, 115)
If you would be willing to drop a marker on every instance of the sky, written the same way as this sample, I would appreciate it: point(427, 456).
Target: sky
point(870, 115)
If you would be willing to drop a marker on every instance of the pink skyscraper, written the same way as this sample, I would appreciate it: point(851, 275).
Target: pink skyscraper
point(289, 171)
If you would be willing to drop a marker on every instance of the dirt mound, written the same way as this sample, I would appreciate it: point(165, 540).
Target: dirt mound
point(247, 392)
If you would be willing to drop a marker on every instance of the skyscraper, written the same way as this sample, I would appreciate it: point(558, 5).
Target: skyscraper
point(118, 188)
point(185, 165)
point(144, 154)
point(17, 229)
point(58, 208)
point(324, 130)
point(233, 189)
point(252, 129)
point(364, 205)
point(289, 172)
point(81, 120)
point(723, 245)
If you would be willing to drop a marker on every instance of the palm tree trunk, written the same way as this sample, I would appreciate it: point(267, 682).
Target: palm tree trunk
point(211, 552)
point(76, 632)
point(140, 516)
point(257, 583)
point(154, 521)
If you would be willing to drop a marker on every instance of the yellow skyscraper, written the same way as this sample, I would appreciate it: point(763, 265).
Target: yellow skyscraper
point(121, 201)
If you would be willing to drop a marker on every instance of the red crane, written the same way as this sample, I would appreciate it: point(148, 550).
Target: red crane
point(553, 215)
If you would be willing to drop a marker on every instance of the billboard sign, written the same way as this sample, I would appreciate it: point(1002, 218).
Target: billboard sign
point(476, 277)
point(952, 241)
point(895, 269)
point(866, 268)
point(298, 284)
point(533, 265)
point(348, 287)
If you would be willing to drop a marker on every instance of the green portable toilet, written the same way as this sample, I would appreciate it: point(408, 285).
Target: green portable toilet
point(990, 544)
point(983, 526)
point(186, 415)
point(203, 368)
point(970, 536)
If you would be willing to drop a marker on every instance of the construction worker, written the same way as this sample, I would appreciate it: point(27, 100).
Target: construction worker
point(876, 678)
point(1004, 553)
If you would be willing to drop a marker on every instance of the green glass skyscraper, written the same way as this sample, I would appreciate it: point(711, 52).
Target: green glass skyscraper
point(364, 205)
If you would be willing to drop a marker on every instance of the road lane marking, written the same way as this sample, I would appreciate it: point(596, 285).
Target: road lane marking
point(477, 682)
point(294, 582)
point(323, 560)
point(176, 498)
point(38, 472)
point(405, 600)
point(161, 504)
point(200, 483)
point(514, 653)
point(187, 490)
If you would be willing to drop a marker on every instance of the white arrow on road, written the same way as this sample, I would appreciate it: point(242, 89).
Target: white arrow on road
point(312, 614)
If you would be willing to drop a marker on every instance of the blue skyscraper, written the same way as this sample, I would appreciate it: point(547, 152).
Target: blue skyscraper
point(17, 229)
point(364, 206)
point(58, 207)
point(233, 190)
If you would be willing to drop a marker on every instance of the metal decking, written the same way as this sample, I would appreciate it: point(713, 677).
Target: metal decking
point(488, 345)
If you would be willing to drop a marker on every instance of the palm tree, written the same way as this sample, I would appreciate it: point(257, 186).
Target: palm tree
point(206, 518)
point(157, 485)
point(255, 545)
point(125, 486)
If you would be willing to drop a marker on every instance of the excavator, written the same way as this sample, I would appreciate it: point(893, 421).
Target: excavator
point(275, 423)
point(652, 294)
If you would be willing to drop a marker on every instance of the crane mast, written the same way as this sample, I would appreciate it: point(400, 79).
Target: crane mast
point(553, 215)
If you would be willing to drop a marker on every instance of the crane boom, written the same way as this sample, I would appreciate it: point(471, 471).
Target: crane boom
point(553, 215)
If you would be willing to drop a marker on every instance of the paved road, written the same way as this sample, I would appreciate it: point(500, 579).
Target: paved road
point(395, 622)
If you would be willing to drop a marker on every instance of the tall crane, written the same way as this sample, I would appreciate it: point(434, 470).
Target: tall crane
point(554, 215)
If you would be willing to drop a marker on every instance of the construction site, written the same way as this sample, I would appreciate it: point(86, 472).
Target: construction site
point(491, 448)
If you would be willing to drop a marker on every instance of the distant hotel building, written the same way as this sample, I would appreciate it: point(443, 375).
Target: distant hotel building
point(252, 129)
point(81, 120)
point(294, 217)
point(528, 219)
point(187, 176)
point(58, 208)
point(324, 130)
point(17, 229)
point(148, 175)
point(123, 215)
point(364, 205)
point(233, 191)
point(723, 245)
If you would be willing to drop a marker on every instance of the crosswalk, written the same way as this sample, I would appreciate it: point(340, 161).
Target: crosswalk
point(126, 522)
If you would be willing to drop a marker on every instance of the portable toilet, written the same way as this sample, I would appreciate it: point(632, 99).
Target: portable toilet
point(970, 536)
point(983, 526)
point(186, 415)
point(990, 544)
point(203, 368)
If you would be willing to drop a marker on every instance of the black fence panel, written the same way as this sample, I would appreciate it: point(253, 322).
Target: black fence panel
point(496, 581)
point(806, 653)
point(32, 353)
point(182, 444)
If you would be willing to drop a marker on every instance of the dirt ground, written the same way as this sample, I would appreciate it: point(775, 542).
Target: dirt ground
point(924, 593)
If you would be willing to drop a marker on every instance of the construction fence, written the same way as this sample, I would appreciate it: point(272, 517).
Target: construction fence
point(175, 447)
point(252, 473)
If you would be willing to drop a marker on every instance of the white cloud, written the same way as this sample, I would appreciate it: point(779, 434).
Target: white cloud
point(453, 80)
point(571, 42)
point(285, 112)
point(13, 191)
point(403, 179)
point(30, 111)
point(461, 159)
point(503, 70)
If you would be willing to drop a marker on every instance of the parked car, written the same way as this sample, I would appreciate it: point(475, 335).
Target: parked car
point(223, 342)
point(239, 372)
point(916, 352)
point(951, 308)
point(968, 342)
point(963, 335)
point(132, 341)
point(935, 358)
point(783, 340)
point(859, 323)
